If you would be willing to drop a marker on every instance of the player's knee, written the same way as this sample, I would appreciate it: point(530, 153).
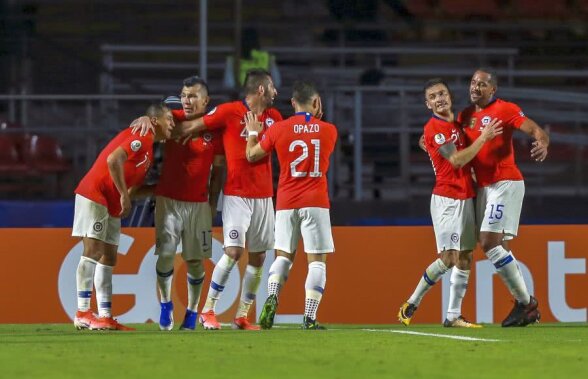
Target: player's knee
point(464, 261)
point(165, 262)
point(256, 259)
point(234, 252)
point(449, 258)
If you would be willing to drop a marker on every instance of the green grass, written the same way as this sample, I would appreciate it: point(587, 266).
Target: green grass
point(343, 351)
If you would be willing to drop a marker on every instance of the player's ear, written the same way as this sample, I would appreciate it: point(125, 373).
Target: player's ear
point(154, 121)
point(293, 103)
point(261, 89)
point(428, 105)
point(206, 100)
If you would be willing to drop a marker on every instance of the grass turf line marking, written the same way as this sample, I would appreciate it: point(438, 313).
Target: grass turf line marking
point(463, 338)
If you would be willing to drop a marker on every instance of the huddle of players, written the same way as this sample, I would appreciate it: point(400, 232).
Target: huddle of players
point(245, 132)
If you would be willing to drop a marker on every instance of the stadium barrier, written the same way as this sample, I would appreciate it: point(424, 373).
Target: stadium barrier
point(373, 271)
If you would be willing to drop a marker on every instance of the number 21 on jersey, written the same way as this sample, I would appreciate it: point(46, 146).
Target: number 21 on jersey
point(315, 173)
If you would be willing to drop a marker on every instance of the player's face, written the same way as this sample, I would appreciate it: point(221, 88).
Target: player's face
point(270, 93)
point(481, 89)
point(438, 99)
point(194, 100)
point(165, 124)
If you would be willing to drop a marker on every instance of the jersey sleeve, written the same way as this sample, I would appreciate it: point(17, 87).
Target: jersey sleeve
point(216, 118)
point(435, 138)
point(135, 144)
point(179, 115)
point(268, 139)
point(514, 115)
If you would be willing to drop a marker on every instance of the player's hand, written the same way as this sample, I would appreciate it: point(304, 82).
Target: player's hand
point(251, 122)
point(125, 205)
point(492, 129)
point(539, 151)
point(422, 143)
point(143, 124)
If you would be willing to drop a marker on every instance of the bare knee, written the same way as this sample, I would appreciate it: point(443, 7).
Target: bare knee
point(489, 240)
point(234, 252)
point(449, 258)
point(464, 261)
point(256, 259)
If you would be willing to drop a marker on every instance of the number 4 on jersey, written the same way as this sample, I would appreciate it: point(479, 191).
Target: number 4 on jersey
point(315, 173)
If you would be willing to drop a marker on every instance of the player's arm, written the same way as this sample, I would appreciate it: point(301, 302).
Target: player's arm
point(116, 161)
point(539, 150)
point(254, 152)
point(190, 127)
point(458, 159)
point(216, 181)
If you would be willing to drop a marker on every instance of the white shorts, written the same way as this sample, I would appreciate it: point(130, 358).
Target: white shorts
point(183, 221)
point(248, 222)
point(313, 223)
point(498, 207)
point(93, 220)
point(454, 223)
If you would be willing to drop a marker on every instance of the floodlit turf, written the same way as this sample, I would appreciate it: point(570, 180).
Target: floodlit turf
point(343, 351)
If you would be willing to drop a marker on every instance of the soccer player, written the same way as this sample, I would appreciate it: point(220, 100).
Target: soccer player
point(248, 211)
point(452, 207)
point(500, 185)
point(304, 145)
point(102, 199)
point(185, 204)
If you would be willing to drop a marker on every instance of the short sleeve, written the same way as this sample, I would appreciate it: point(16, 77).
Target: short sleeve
point(216, 118)
point(514, 115)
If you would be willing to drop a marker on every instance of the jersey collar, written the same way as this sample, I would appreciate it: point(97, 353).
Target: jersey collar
point(439, 118)
point(245, 104)
point(307, 115)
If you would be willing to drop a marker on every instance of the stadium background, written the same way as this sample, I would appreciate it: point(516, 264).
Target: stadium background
point(73, 73)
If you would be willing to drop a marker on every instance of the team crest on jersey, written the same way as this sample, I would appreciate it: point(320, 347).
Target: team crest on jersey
point(486, 120)
point(135, 145)
point(211, 111)
point(269, 121)
point(439, 139)
point(207, 137)
point(472, 122)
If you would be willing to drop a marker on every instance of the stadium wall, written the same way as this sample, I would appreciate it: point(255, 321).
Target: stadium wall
point(373, 271)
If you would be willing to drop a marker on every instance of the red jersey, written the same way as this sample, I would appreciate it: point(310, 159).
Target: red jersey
point(304, 145)
point(98, 186)
point(244, 179)
point(495, 161)
point(186, 167)
point(455, 183)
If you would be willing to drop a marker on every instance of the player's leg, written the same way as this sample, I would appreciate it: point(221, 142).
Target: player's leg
point(260, 237)
point(443, 214)
point(466, 227)
point(89, 223)
point(501, 213)
point(315, 227)
point(287, 234)
point(197, 243)
point(168, 228)
point(236, 215)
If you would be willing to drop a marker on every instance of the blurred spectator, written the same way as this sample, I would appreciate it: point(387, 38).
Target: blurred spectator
point(252, 56)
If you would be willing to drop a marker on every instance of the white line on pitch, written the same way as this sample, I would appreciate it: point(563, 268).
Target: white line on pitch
point(463, 338)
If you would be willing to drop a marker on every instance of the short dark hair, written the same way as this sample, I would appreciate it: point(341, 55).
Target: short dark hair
point(156, 110)
point(433, 82)
point(195, 80)
point(303, 91)
point(490, 71)
point(256, 77)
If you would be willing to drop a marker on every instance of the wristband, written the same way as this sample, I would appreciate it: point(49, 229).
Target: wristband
point(252, 133)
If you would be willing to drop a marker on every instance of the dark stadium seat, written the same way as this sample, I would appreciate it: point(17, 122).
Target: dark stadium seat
point(468, 8)
point(10, 159)
point(44, 154)
point(541, 8)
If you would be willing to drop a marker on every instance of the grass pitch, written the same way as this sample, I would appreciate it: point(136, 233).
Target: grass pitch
point(343, 351)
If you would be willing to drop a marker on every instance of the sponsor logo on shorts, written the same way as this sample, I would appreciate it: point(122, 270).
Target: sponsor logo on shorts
point(135, 145)
point(233, 234)
point(98, 227)
point(454, 237)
